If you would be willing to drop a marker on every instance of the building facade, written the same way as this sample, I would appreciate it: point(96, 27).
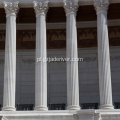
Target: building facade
point(81, 90)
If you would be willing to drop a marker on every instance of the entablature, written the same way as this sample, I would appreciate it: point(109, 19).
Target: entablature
point(52, 3)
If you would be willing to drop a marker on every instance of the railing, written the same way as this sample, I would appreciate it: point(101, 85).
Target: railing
point(117, 105)
point(24, 107)
point(89, 105)
point(57, 106)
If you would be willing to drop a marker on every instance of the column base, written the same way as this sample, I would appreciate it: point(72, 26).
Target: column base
point(73, 107)
point(41, 108)
point(8, 109)
point(106, 107)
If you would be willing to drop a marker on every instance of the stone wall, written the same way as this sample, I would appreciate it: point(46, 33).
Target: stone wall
point(57, 84)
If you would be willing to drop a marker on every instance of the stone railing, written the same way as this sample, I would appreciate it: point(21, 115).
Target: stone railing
point(24, 107)
point(117, 105)
point(89, 105)
point(57, 106)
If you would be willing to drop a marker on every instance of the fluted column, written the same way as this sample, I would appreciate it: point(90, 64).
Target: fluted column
point(72, 52)
point(41, 52)
point(105, 88)
point(11, 10)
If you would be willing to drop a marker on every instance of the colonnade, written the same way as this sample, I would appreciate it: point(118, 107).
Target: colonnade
point(41, 9)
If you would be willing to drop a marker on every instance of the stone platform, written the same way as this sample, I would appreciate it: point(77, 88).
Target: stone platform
point(62, 115)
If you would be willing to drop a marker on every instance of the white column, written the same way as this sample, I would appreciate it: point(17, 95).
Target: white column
point(11, 10)
point(41, 52)
point(105, 88)
point(72, 52)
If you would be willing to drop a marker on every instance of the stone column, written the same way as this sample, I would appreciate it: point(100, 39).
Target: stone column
point(11, 10)
point(72, 52)
point(41, 52)
point(105, 88)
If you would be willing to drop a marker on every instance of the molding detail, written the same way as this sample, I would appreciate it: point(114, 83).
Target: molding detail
point(117, 58)
point(29, 61)
point(1, 61)
point(70, 7)
point(2, 34)
point(40, 7)
point(27, 33)
point(101, 5)
point(11, 8)
point(89, 59)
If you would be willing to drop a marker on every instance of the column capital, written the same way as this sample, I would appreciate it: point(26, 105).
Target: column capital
point(70, 6)
point(40, 7)
point(11, 8)
point(101, 5)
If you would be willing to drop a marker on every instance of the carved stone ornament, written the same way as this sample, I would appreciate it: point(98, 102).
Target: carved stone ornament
point(101, 5)
point(11, 8)
point(70, 7)
point(4, 118)
point(97, 117)
point(40, 7)
point(75, 116)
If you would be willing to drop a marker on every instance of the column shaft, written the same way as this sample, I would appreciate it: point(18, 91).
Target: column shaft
point(41, 52)
point(72, 52)
point(10, 58)
point(104, 57)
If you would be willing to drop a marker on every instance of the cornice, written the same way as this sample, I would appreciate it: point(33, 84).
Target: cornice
point(52, 3)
